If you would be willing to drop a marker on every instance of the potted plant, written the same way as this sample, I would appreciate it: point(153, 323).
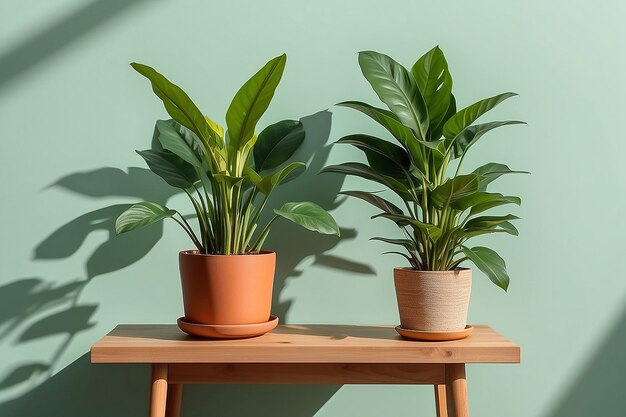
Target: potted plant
point(441, 208)
point(228, 176)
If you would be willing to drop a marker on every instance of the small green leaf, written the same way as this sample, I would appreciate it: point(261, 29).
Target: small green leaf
point(454, 189)
point(490, 263)
point(470, 135)
point(310, 216)
point(375, 200)
point(171, 168)
point(185, 147)
point(433, 232)
point(488, 221)
point(364, 171)
point(384, 157)
point(480, 201)
point(140, 215)
point(277, 143)
point(408, 244)
point(465, 117)
point(492, 171)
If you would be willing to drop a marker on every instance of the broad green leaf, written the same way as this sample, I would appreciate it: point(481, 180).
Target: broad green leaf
point(480, 201)
point(504, 227)
point(364, 171)
point(375, 200)
point(465, 117)
point(470, 135)
point(140, 215)
point(436, 133)
point(396, 87)
point(277, 143)
point(490, 263)
point(488, 221)
point(435, 82)
point(251, 101)
point(177, 103)
point(432, 231)
point(389, 121)
point(492, 171)
point(271, 181)
point(407, 243)
point(184, 147)
point(175, 171)
point(454, 189)
point(384, 157)
point(310, 216)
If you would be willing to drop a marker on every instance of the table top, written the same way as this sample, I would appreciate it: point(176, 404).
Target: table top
point(307, 343)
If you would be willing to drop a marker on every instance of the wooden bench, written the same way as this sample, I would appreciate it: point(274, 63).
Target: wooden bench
point(303, 354)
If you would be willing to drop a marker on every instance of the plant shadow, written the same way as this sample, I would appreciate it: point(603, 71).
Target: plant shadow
point(35, 308)
point(598, 389)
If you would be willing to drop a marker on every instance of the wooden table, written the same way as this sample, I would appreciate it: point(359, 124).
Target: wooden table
point(303, 354)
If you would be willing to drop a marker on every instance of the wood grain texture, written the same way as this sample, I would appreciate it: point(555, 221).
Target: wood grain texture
point(300, 344)
point(158, 391)
point(441, 406)
point(456, 390)
point(174, 398)
point(307, 373)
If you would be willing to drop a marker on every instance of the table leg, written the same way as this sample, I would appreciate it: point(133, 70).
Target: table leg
point(174, 400)
point(456, 390)
point(440, 400)
point(158, 391)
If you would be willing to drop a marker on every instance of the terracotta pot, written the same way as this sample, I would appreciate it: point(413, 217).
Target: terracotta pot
point(227, 289)
point(433, 300)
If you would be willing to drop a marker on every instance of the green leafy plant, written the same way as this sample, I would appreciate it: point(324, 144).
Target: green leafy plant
point(441, 211)
point(227, 175)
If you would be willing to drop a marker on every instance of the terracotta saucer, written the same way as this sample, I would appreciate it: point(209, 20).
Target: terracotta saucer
point(227, 331)
point(435, 336)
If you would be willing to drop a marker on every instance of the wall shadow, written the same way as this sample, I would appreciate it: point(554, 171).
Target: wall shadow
point(57, 309)
point(599, 388)
point(46, 42)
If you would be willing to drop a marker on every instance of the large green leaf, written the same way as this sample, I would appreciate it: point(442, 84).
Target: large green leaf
point(470, 135)
point(251, 101)
point(277, 143)
point(364, 171)
point(285, 174)
point(178, 104)
point(435, 82)
point(384, 157)
point(140, 215)
point(465, 117)
point(184, 146)
point(490, 263)
point(396, 87)
point(504, 227)
point(171, 168)
point(375, 200)
point(389, 121)
point(492, 171)
point(310, 216)
point(454, 189)
point(432, 231)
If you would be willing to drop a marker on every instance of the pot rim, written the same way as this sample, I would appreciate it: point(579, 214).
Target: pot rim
point(194, 252)
point(408, 268)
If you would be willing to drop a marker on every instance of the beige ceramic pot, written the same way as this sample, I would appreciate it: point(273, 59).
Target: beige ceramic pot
point(433, 301)
point(227, 289)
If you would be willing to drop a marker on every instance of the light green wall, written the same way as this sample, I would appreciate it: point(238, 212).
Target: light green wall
point(72, 111)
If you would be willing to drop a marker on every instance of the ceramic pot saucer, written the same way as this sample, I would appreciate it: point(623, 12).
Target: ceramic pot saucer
point(227, 331)
point(435, 336)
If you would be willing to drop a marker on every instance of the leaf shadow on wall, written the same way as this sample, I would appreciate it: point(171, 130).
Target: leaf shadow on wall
point(599, 388)
point(34, 308)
